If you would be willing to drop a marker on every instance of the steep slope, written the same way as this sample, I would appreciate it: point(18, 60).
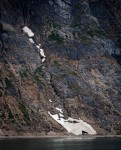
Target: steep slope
point(81, 77)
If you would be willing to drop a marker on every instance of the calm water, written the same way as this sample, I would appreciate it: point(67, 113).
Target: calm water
point(61, 144)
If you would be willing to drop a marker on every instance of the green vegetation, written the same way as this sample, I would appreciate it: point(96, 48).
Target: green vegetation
point(77, 5)
point(7, 114)
point(8, 83)
point(2, 115)
point(24, 111)
point(56, 37)
point(56, 63)
point(10, 115)
point(24, 72)
point(1, 93)
point(73, 73)
point(1, 83)
point(61, 76)
point(84, 38)
point(95, 32)
point(1, 27)
point(74, 87)
point(75, 25)
point(87, 35)
point(39, 71)
point(56, 25)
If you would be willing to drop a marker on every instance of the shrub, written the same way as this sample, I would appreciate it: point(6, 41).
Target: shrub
point(39, 71)
point(24, 72)
point(8, 83)
point(56, 37)
point(24, 111)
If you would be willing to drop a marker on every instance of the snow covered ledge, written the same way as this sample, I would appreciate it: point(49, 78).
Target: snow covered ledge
point(74, 126)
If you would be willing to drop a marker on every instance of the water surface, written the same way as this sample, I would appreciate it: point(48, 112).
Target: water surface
point(86, 143)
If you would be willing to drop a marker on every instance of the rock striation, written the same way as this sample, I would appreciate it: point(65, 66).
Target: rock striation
point(79, 82)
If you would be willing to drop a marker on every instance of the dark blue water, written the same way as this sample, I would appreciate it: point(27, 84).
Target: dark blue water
point(86, 143)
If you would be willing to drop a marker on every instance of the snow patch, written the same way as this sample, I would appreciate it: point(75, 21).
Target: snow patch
point(30, 34)
point(42, 53)
point(28, 31)
point(38, 46)
point(43, 60)
point(60, 110)
point(31, 40)
point(61, 115)
point(50, 100)
point(77, 127)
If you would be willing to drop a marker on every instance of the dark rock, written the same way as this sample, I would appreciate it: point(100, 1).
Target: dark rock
point(81, 75)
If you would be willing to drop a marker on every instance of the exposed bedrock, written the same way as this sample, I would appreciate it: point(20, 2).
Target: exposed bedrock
point(65, 64)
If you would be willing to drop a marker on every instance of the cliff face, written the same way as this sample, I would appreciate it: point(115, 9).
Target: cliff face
point(81, 74)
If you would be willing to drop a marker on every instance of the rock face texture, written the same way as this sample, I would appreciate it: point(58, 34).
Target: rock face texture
point(82, 72)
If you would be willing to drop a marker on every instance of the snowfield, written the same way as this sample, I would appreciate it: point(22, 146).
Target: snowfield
point(74, 126)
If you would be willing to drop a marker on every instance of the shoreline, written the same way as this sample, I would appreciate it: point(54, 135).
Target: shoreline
point(72, 137)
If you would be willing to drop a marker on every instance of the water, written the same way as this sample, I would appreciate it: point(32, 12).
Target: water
point(87, 143)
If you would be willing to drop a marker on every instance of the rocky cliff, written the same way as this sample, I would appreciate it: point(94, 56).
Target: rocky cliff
point(79, 82)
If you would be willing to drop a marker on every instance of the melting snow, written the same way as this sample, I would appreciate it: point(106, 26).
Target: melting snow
point(60, 110)
point(31, 40)
point(73, 125)
point(42, 53)
point(28, 31)
point(50, 100)
point(43, 60)
point(61, 115)
point(30, 34)
point(38, 46)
